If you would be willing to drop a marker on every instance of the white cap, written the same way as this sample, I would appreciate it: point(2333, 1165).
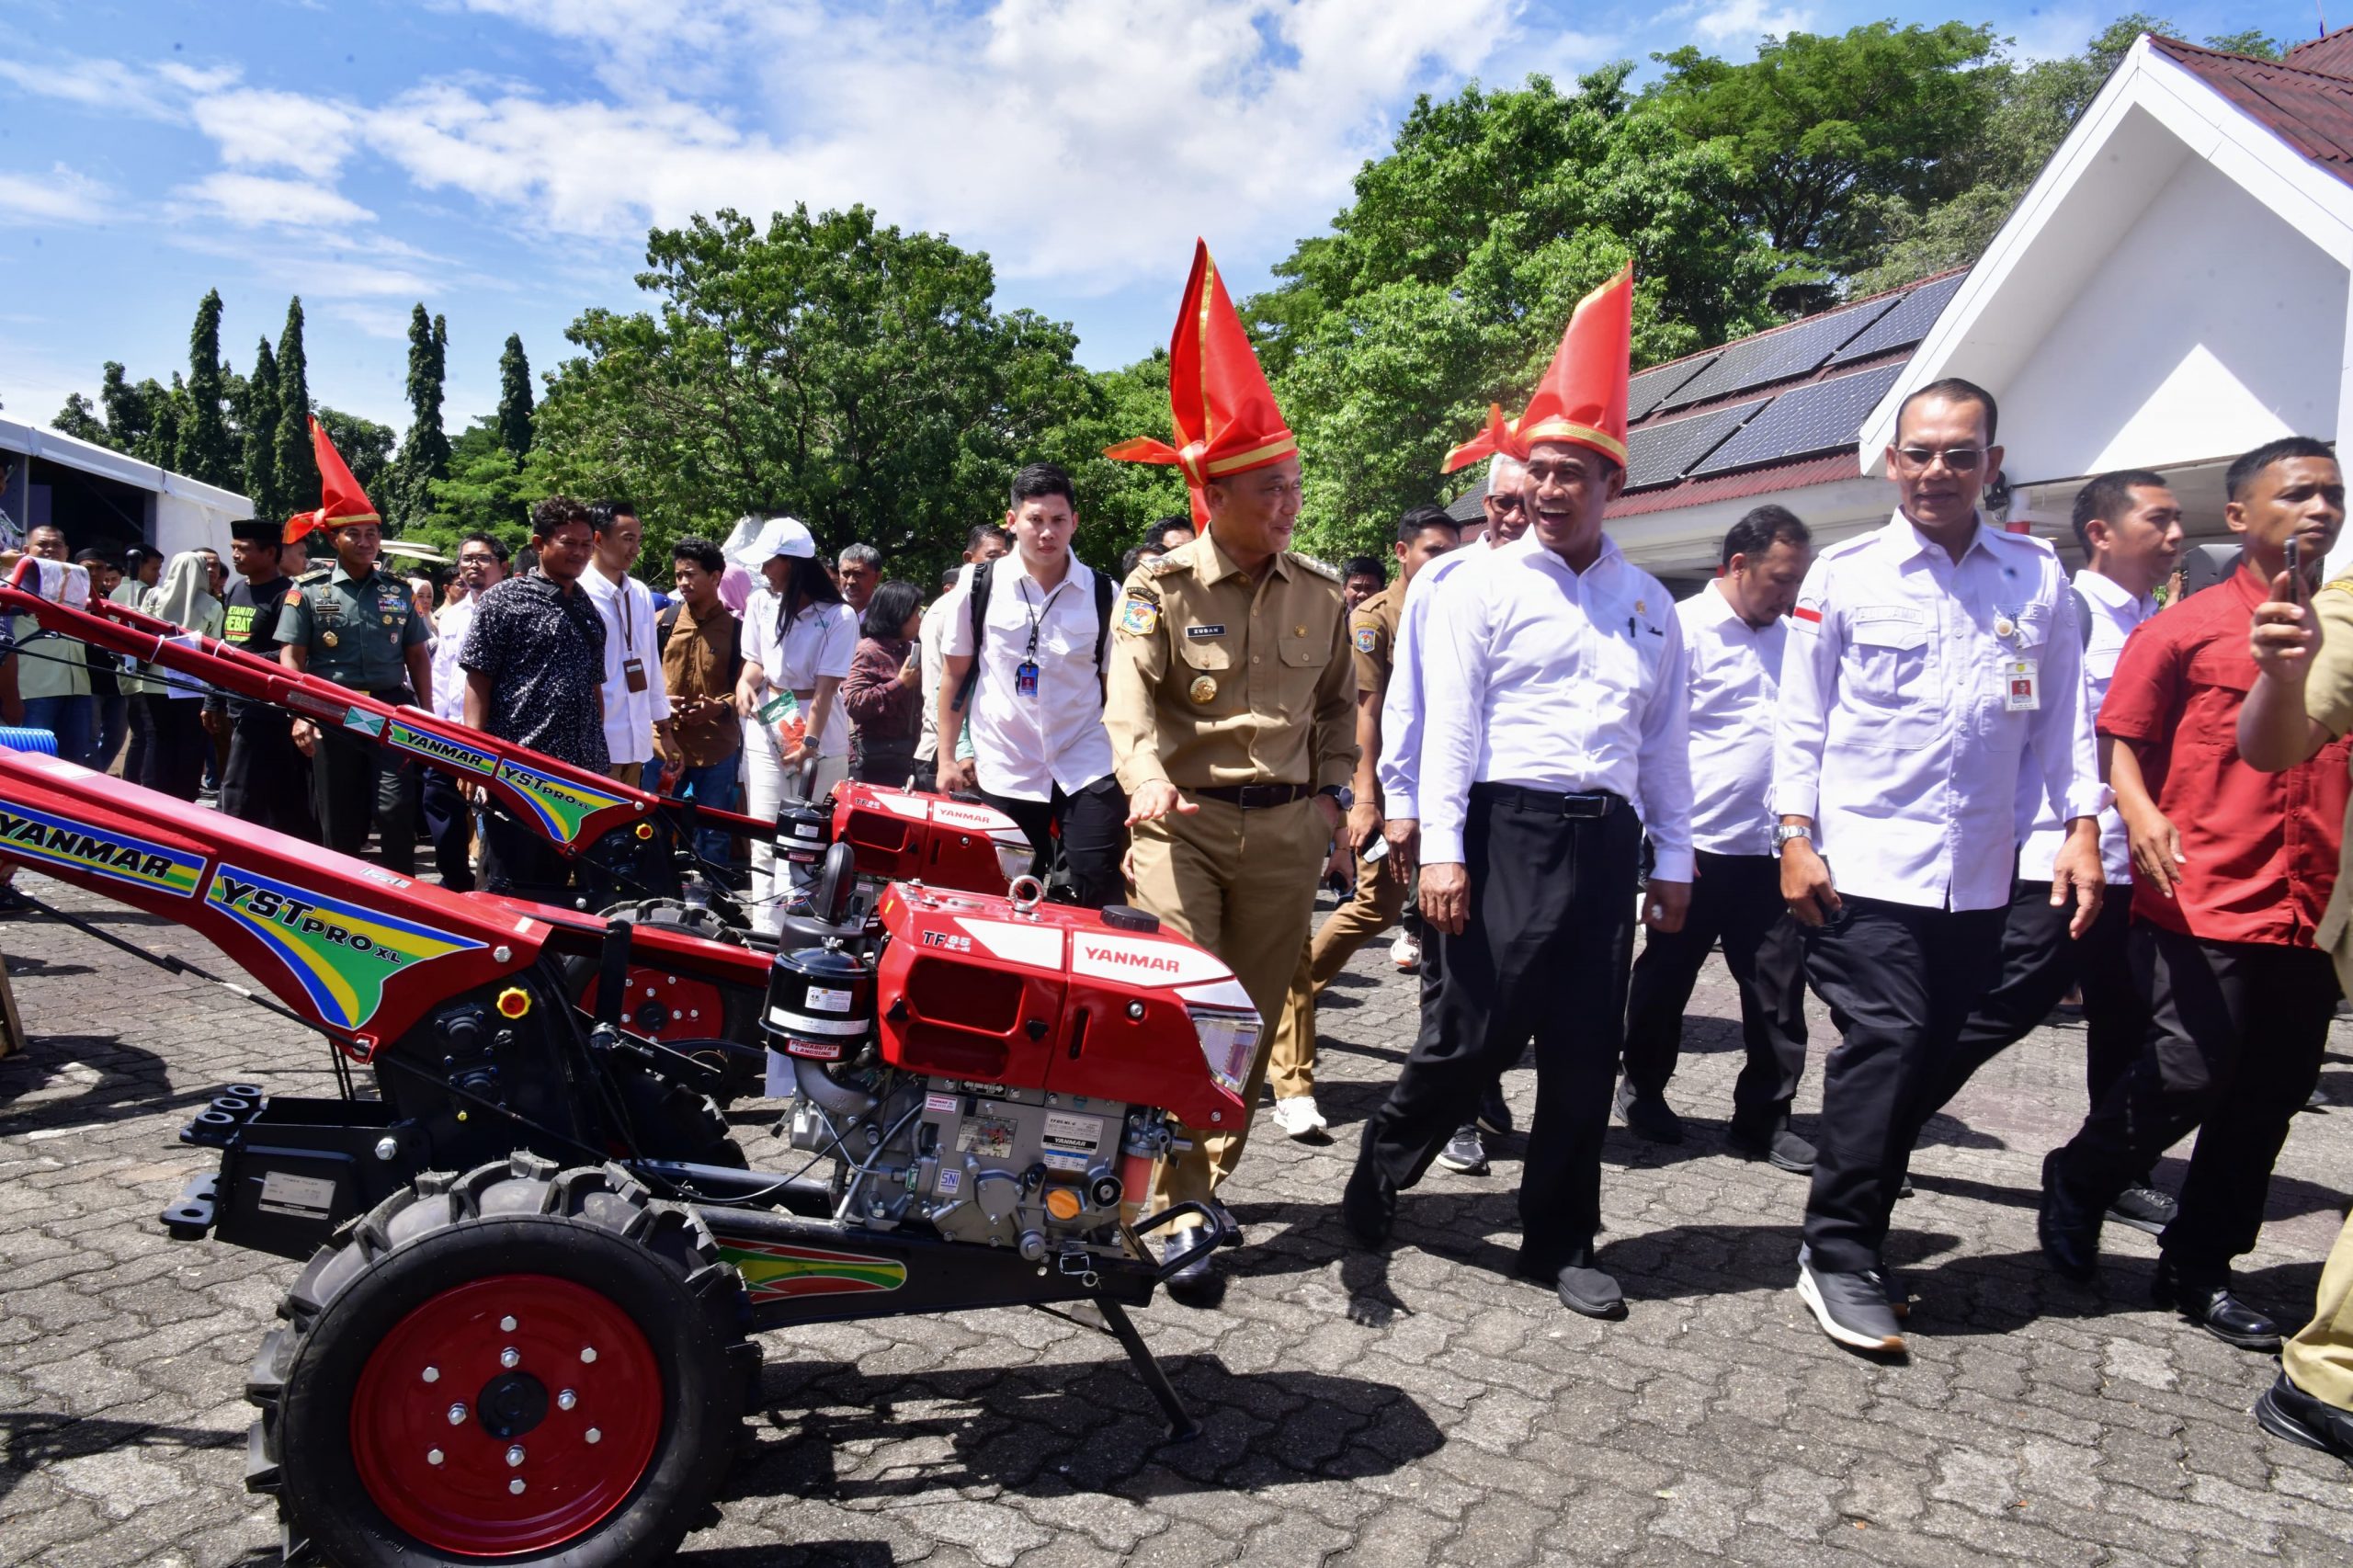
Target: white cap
point(778, 535)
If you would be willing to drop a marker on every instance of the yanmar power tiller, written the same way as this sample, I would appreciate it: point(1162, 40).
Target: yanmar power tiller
point(523, 1331)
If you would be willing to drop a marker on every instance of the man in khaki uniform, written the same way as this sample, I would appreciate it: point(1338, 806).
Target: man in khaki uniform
point(1423, 535)
point(1229, 706)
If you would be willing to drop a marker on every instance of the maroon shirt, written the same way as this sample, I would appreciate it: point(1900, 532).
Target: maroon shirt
point(2259, 848)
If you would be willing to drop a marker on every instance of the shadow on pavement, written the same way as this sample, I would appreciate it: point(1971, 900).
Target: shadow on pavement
point(1999, 1294)
point(116, 1081)
point(34, 1439)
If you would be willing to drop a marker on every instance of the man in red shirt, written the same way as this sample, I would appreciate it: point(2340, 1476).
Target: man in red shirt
point(2233, 869)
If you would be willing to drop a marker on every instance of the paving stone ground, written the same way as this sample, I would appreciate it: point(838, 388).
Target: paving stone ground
point(1416, 1408)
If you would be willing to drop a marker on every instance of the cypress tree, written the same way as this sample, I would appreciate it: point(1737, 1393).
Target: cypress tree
point(424, 453)
point(515, 399)
point(296, 465)
point(203, 445)
point(261, 419)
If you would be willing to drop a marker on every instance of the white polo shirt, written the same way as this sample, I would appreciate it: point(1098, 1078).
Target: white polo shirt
point(1736, 683)
point(1026, 747)
point(628, 609)
point(818, 643)
point(1895, 734)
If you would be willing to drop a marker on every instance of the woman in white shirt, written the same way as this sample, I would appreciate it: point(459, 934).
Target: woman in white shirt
point(176, 742)
point(798, 639)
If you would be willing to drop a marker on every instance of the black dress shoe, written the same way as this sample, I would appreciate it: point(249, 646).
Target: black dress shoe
point(1369, 1204)
point(1588, 1290)
point(1778, 1146)
point(1648, 1116)
point(2070, 1243)
point(2207, 1303)
point(1197, 1284)
point(2287, 1411)
point(1233, 1226)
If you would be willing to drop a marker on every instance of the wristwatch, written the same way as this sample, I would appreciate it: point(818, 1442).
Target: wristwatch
point(1784, 832)
point(1342, 793)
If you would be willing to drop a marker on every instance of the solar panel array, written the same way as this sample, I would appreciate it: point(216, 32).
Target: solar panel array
point(1822, 416)
point(1777, 355)
point(1657, 454)
point(1648, 391)
point(1907, 323)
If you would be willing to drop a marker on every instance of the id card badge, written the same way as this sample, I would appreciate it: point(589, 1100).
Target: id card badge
point(1024, 677)
point(2021, 684)
point(633, 668)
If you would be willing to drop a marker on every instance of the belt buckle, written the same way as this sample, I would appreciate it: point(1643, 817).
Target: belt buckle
point(1585, 806)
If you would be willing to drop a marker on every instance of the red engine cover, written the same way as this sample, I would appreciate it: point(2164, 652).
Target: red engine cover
point(1049, 997)
point(900, 836)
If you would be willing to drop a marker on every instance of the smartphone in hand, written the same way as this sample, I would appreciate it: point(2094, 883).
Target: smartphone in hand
point(2300, 591)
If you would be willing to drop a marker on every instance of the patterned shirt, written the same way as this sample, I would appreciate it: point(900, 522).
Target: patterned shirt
point(542, 649)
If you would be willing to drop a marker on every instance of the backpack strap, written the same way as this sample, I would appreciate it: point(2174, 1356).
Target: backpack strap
point(976, 592)
point(1105, 592)
point(663, 624)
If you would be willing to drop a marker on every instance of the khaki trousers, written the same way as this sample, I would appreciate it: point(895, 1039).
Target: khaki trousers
point(2319, 1361)
point(1380, 899)
point(1241, 884)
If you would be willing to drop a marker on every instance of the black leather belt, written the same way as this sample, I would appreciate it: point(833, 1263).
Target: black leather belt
point(1550, 803)
point(1255, 796)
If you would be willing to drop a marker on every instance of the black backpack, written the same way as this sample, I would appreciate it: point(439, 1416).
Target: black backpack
point(978, 595)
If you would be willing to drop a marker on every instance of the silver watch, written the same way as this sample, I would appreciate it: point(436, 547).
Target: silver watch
point(1784, 832)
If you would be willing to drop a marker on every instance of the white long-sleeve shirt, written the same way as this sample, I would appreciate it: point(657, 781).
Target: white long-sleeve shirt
point(1735, 685)
point(1542, 677)
point(2115, 615)
point(448, 675)
point(630, 716)
point(1399, 767)
point(1895, 734)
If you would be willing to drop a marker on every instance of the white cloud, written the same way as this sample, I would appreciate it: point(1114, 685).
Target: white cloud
point(264, 129)
point(1747, 21)
point(258, 200)
point(107, 84)
point(60, 196)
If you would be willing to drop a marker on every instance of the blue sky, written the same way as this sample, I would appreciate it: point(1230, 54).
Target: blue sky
point(501, 160)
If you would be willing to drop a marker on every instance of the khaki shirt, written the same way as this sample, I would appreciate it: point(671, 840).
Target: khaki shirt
point(1217, 679)
point(1372, 632)
point(2328, 700)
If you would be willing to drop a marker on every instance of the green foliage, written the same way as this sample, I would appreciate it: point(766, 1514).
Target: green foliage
point(257, 426)
point(425, 450)
point(78, 420)
point(203, 450)
point(296, 465)
point(513, 400)
point(2253, 42)
point(485, 492)
point(365, 448)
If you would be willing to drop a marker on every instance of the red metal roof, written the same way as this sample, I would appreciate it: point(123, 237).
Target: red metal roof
point(2331, 55)
point(2310, 109)
point(1765, 480)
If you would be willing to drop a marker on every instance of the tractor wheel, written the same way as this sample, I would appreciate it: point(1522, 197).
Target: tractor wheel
point(674, 1122)
point(667, 1007)
point(520, 1365)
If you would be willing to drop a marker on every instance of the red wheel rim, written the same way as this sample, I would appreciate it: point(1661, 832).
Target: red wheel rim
point(662, 1005)
point(450, 1482)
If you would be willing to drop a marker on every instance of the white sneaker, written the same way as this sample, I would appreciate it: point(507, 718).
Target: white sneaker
point(1406, 952)
point(1298, 1116)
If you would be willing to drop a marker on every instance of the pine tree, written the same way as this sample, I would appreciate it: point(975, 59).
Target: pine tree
point(296, 465)
point(260, 423)
point(203, 446)
point(515, 399)
point(424, 453)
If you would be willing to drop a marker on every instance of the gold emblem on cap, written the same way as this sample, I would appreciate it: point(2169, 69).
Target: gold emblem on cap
point(329, 638)
point(1202, 690)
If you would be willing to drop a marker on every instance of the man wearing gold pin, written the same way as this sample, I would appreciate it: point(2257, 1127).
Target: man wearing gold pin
point(1231, 706)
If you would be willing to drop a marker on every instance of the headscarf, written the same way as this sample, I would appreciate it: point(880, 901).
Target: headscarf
point(183, 596)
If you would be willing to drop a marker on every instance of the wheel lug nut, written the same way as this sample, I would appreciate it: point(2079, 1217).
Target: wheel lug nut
point(594, 1435)
point(513, 1455)
point(457, 1415)
point(432, 1374)
point(433, 1456)
point(587, 1353)
point(510, 1357)
point(566, 1399)
point(506, 1325)
point(515, 1486)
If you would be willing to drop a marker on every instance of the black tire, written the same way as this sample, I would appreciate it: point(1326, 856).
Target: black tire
point(592, 1233)
point(674, 1122)
point(740, 1074)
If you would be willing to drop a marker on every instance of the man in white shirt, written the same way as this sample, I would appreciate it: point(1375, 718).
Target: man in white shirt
point(448, 820)
point(2130, 527)
point(985, 544)
point(1033, 683)
point(1734, 630)
point(1928, 663)
point(1556, 696)
point(637, 707)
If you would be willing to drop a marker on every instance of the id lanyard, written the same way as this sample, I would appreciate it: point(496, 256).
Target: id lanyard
point(1025, 673)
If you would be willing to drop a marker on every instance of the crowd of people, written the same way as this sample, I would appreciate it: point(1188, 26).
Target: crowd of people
point(1920, 772)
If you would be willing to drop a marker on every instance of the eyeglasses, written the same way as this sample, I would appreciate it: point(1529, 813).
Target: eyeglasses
point(1503, 502)
point(1961, 460)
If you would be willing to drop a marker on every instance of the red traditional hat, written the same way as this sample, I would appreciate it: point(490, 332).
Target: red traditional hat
point(1582, 398)
point(341, 501)
point(1224, 411)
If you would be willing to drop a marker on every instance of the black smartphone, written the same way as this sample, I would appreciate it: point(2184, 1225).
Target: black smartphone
point(2297, 586)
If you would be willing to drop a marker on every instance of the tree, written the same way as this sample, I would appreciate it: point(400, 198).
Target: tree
point(851, 374)
point(78, 420)
point(297, 466)
point(513, 400)
point(425, 451)
point(204, 450)
point(2253, 42)
point(365, 448)
point(257, 424)
point(484, 494)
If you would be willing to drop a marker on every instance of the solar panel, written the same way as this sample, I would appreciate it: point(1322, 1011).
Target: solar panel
point(1657, 454)
point(1793, 351)
point(1645, 392)
point(1907, 323)
point(1821, 418)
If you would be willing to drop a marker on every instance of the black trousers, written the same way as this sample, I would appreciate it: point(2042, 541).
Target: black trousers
point(1901, 981)
point(450, 824)
point(1092, 825)
point(2237, 1032)
point(1735, 898)
point(268, 782)
point(1545, 953)
point(176, 745)
point(517, 860)
point(355, 779)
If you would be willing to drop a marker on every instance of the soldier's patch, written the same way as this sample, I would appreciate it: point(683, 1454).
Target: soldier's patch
point(1139, 617)
point(1366, 638)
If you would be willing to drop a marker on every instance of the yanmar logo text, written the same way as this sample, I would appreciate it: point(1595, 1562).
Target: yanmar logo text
point(1129, 958)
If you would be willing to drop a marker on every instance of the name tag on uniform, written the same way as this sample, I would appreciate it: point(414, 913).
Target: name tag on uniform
point(1205, 632)
point(2021, 684)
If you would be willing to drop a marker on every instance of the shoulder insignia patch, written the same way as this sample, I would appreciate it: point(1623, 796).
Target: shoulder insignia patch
point(2343, 585)
point(1367, 639)
point(1161, 565)
point(316, 574)
point(1329, 573)
point(1139, 617)
point(293, 595)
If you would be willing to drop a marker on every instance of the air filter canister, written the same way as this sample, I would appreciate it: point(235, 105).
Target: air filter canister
point(821, 1003)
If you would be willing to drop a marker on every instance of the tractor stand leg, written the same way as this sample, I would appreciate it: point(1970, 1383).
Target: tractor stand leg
point(1182, 1428)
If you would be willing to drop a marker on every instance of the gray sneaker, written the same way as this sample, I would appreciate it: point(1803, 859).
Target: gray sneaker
point(1463, 1153)
point(1852, 1309)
